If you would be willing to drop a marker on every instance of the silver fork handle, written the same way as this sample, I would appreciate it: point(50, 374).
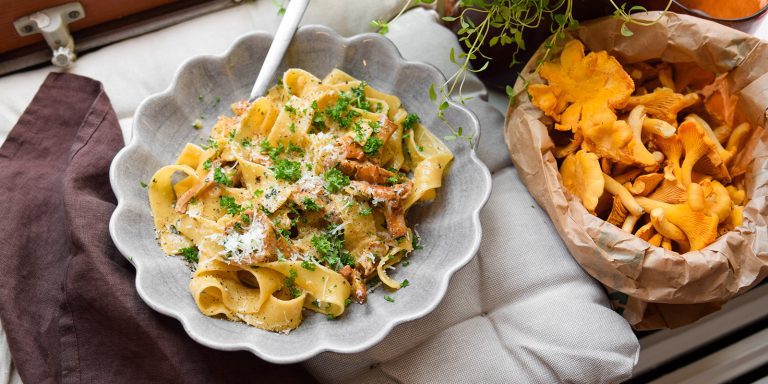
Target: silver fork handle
point(280, 43)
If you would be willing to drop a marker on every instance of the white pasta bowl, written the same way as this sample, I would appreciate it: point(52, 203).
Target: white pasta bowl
point(203, 88)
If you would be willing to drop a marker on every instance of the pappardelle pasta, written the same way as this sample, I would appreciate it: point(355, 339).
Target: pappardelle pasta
point(298, 200)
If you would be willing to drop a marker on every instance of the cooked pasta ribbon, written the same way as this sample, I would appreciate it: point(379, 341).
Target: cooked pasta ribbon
point(297, 200)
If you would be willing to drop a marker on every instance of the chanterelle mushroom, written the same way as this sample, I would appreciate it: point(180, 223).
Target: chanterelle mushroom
point(583, 177)
point(699, 227)
point(697, 144)
point(663, 103)
point(582, 89)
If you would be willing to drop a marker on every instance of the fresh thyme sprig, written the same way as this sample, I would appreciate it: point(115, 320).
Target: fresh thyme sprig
point(626, 16)
point(504, 22)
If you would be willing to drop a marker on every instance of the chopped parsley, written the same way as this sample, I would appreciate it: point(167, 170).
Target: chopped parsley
point(347, 301)
point(306, 264)
point(330, 248)
point(287, 170)
point(232, 207)
point(359, 133)
point(293, 148)
point(336, 180)
point(318, 121)
point(220, 177)
point(389, 298)
point(292, 128)
point(410, 121)
point(372, 145)
point(207, 164)
point(310, 205)
point(359, 99)
point(405, 283)
point(290, 283)
point(366, 211)
point(290, 109)
point(197, 124)
point(246, 142)
point(190, 254)
point(143, 184)
point(393, 180)
point(273, 152)
point(340, 112)
point(258, 192)
point(330, 316)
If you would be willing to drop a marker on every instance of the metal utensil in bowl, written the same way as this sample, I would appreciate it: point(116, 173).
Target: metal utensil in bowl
point(280, 43)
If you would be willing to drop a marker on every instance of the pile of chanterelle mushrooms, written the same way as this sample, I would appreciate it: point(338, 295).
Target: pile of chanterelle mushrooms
point(638, 148)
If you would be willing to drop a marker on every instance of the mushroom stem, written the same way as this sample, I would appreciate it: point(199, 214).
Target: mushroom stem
point(667, 229)
point(655, 240)
point(613, 187)
point(658, 127)
point(696, 197)
point(630, 222)
point(666, 244)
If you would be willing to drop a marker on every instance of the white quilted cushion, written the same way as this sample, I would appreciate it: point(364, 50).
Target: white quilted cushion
point(522, 310)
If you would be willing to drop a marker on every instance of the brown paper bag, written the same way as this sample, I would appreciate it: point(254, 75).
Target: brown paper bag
point(651, 287)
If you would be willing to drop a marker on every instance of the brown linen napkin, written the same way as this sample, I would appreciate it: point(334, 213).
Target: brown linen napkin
point(67, 297)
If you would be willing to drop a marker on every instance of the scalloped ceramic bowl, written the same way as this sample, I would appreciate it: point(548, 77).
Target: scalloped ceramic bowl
point(449, 226)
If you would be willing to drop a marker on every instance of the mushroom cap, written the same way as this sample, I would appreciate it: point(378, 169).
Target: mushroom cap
point(698, 144)
point(618, 213)
point(645, 184)
point(718, 202)
point(738, 195)
point(670, 192)
point(581, 88)
point(699, 227)
point(583, 177)
point(646, 231)
point(672, 148)
point(663, 103)
point(609, 140)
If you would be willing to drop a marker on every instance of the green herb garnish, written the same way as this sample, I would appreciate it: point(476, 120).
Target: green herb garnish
point(190, 254)
point(306, 264)
point(372, 145)
point(287, 170)
point(220, 177)
point(336, 180)
point(229, 203)
point(410, 121)
point(310, 205)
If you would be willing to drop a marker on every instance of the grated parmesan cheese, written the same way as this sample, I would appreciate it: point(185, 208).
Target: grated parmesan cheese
point(238, 246)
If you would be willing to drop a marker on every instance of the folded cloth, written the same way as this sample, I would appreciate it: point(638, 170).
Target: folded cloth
point(67, 297)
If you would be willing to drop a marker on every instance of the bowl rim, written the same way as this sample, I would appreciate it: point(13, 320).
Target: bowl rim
point(388, 326)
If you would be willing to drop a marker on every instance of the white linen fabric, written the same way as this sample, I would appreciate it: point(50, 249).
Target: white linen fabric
point(522, 310)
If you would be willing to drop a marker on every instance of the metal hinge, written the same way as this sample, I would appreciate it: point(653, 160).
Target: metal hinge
point(53, 23)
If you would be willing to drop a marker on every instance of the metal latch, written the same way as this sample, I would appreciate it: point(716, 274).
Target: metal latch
point(53, 23)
